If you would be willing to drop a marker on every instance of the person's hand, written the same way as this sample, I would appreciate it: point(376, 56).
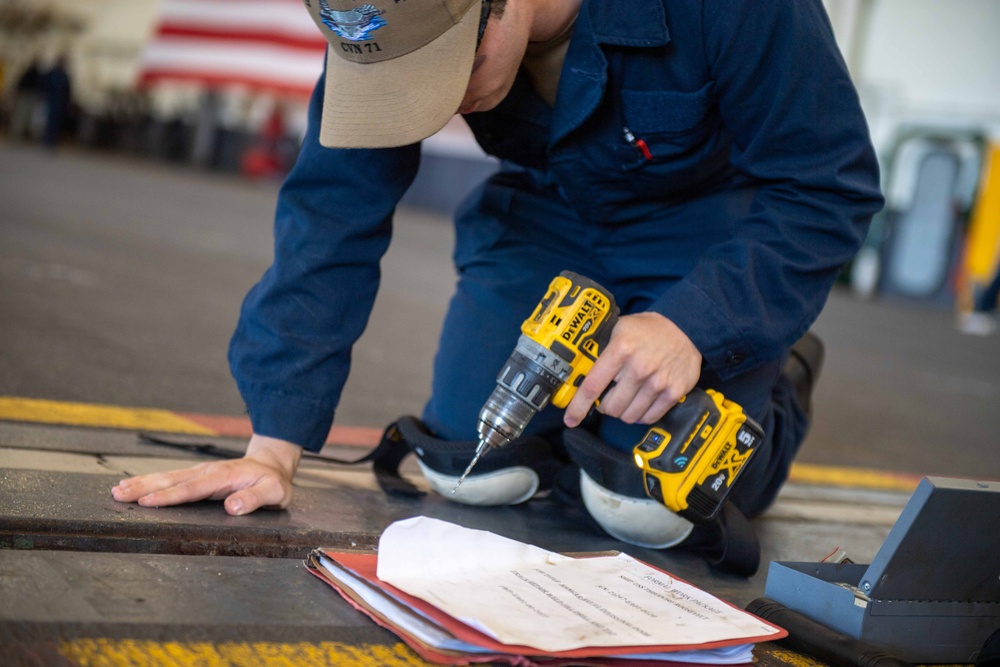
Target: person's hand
point(262, 478)
point(653, 365)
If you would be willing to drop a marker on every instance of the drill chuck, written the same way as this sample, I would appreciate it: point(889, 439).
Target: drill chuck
point(525, 385)
point(503, 418)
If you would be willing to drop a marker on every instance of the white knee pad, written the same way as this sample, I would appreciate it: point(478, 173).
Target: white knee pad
point(507, 486)
point(643, 522)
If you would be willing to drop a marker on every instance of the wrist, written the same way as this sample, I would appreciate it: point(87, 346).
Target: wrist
point(274, 452)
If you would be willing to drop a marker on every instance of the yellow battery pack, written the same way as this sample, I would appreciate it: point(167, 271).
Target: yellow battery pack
point(691, 458)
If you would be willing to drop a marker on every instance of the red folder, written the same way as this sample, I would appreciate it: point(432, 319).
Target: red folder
point(363, 565)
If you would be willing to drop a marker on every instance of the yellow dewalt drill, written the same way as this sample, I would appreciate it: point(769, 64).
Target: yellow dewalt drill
point(689, 459)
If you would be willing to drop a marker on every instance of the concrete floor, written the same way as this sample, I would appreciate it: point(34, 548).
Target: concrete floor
point(120, 283)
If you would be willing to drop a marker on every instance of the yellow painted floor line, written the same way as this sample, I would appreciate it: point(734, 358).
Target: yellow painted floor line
point(854, 478)
point(89, 414)
point(131, 652)
point(792, 658)
point(42, 411)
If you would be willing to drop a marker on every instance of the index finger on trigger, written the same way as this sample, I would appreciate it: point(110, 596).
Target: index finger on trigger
point(590, 391)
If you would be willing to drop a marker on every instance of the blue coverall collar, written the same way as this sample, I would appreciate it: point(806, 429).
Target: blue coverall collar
point(631, 23)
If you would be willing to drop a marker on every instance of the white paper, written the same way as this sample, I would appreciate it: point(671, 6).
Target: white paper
point(520, 594)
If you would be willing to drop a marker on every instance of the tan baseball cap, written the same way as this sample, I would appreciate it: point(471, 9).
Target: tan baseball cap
point(396, 70)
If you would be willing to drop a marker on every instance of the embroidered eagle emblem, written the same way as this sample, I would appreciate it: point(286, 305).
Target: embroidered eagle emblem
point(354, 24)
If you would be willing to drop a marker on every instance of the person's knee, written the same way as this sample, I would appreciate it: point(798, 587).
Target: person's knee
point(640, 521)
point(504, 476)
point(611, 490)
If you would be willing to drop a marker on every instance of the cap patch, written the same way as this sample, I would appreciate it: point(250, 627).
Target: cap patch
point(354, 24)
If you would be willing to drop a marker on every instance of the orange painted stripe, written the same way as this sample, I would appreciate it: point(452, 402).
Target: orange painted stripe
point(239, 427)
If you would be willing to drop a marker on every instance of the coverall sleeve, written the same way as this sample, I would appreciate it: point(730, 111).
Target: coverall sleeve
point(800, 143)
point(291, 351)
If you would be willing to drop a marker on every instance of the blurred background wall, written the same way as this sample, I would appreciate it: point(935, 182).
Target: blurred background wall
point(927, 72)
point(910, 58)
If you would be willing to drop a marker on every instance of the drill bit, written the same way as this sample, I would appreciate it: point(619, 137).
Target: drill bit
point(480, 450)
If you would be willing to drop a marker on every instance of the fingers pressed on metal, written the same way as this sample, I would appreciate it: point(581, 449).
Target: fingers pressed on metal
point(133, 488)
point(204, 485)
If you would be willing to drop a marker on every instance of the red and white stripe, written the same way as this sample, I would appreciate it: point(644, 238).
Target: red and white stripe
point(265, 44)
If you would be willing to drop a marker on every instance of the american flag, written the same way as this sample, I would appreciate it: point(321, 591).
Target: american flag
point(269, 45)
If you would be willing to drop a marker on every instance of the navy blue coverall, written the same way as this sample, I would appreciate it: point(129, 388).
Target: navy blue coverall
point(759, 183)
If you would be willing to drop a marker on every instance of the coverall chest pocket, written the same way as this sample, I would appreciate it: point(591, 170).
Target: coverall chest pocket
point(673, 125)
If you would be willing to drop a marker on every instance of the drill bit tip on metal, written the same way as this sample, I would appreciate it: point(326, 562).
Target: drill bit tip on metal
point(480, 450)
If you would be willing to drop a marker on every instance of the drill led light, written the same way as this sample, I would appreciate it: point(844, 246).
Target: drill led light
point(638, 460)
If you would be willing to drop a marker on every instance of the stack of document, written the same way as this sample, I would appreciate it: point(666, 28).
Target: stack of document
point(457, 596)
